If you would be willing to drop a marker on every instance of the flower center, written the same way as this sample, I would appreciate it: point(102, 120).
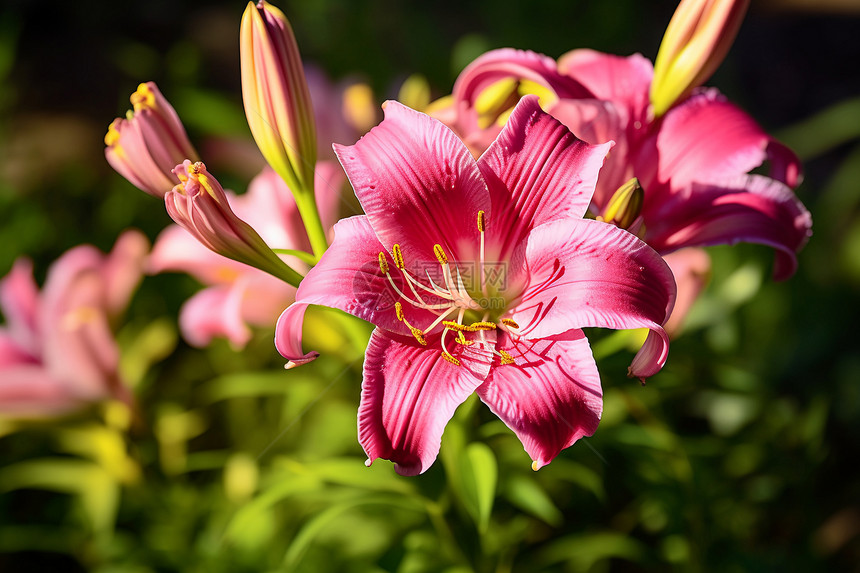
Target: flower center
point(462, 318)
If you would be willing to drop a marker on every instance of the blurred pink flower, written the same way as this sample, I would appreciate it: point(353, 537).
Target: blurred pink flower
point(57, 350)
point(479, 276)
point(693, 163)
point(146, 146)
point(239, 295)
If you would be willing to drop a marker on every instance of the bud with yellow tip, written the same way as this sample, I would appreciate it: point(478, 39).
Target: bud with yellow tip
point(696, 42)
point(625, 206)
point(146, 145)
point(278, 107)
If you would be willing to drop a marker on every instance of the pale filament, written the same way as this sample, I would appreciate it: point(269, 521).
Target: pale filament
point(456, 297)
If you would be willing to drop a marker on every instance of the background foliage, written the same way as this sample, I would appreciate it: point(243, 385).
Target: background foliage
point(739, 456)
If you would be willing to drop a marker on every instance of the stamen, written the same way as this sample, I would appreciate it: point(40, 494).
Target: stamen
point(383, 264)
point(440, 254)
point(482, 326)
point(398, 311)
point(510, 322)
point(456, 326)
point(461, 339)
point(450, 359)
point(481, 221)
point(418, 334)
point(397, 256)
point(506, 358)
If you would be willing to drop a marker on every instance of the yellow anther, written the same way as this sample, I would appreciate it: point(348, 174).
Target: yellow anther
point(143, 98)
point(456, 326)
point(383, 264)
point(418, 334)
point(440, 254)
point(482, 326)
point(510, 322)
point(481, 221)
point(534, 466)
point(397, 256)
point(507, 358)
point(112, 135)
point(398, 311)
point(450, 359)
point(461, 339)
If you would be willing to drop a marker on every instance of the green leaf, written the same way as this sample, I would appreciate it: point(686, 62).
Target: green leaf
point(526, 494)
point(480, 475)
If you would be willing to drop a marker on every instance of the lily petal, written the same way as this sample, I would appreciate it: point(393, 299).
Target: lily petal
point(551, 397)
point(19, 301)
point(751, 208)
point(734, 143)
point(408, 395)
point(288, 336)
point(215, 311)
point(418, 185)
point(537, 171)
point(585, 273)
point(625, 80)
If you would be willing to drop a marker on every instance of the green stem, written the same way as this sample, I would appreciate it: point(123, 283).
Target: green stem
point(313, 225)
point(301, 255)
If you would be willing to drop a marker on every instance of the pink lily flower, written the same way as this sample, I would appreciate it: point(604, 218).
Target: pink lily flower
point(146, 146)
point(693, 163)
point(479, 276)
point(57, 350)
point(238, 296)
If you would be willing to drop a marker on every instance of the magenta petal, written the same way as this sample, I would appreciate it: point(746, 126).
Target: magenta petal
point(585, 273)
point(408, 395)
point(751, 208)
point(11, 353)
point(288, 336)
point(707, 138)
point(537, 171)
point(612, 78)
point(518, 64)
point(348, 277)
point(418, 185)
point(551, 397)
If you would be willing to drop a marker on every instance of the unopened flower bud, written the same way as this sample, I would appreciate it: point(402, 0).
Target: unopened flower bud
point(696, 42)
point(276, 97)
point(146, 145)
point(200, 205)
point(625, 205)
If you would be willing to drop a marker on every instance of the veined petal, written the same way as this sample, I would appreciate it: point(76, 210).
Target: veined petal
point(551, 397)
point(408, 395)
point(418, 185)
point(707, 138)
point(595, 121)
point(585, 273)
point(348, 278)
point(537, 171)
point(750, 208)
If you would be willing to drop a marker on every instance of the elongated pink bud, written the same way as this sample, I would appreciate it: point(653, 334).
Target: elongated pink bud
point(199, 205)
point(695, 44)
point(276, 97)
point(146, 145)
